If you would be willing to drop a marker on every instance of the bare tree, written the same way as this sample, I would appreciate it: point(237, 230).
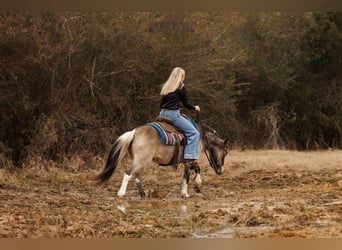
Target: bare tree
point(270, 118)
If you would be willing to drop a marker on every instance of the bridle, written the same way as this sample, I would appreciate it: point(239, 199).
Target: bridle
point(206, 144)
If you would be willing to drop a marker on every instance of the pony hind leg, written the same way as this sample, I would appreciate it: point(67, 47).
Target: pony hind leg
point(139, 185)
point(126, 178)
point(134, 171)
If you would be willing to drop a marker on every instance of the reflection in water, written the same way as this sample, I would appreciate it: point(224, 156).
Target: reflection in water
point(122, 208)
point(230, 232)
point(183, 209)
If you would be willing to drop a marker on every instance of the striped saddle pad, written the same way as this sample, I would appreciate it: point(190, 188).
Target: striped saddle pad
point(169, 134)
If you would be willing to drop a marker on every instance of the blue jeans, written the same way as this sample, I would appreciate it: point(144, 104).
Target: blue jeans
point(191, 133)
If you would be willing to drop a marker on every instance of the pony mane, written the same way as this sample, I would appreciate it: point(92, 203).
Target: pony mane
point(207, 129)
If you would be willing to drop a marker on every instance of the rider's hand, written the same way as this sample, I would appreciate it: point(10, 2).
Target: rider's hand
point(197, 108)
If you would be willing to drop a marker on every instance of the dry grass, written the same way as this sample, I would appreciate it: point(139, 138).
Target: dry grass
point(282, 159)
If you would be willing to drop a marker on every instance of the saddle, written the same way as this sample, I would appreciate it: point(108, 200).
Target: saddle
point(170, 135)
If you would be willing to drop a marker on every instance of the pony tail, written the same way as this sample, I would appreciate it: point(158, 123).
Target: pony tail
point(115, 155)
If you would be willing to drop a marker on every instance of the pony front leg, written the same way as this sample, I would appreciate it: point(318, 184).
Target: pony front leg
point(186, 178)
point(198, 179)
point(126, 178)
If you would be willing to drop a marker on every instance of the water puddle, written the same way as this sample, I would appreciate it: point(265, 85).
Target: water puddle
point(169, 209)
point(176, 209)
point(231, 232)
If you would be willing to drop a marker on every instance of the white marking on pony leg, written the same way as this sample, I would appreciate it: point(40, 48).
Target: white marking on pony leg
point(198, 180)
point(185, 189)
point(123, 187)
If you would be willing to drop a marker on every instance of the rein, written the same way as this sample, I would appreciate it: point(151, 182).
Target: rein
point(212, 164)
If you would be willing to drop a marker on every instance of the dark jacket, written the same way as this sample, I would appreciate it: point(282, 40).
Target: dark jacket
point(172, 100)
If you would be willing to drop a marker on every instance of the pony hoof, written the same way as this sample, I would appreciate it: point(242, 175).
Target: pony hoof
point(120, 195)
point(197, 189)
point(142, 194)
point(185, 196)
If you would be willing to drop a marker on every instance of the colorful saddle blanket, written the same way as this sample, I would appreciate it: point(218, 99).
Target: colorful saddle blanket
point(168, 133)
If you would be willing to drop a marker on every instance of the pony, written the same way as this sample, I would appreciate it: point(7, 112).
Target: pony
point(143, 144)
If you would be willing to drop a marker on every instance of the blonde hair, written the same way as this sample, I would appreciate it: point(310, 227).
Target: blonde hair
point(173, 82)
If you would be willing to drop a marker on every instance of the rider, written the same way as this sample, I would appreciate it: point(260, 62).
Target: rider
point(173, 93)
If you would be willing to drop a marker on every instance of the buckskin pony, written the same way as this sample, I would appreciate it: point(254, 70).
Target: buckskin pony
point(145, 144)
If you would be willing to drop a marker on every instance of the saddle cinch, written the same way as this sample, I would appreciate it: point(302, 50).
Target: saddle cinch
point(170, 135)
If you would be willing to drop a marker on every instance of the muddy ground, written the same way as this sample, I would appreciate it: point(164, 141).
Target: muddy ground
point(260, 194)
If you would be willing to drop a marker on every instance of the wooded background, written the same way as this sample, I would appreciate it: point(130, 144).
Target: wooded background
point(72, 82)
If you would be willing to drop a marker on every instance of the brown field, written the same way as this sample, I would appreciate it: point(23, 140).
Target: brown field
point(261, 194)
